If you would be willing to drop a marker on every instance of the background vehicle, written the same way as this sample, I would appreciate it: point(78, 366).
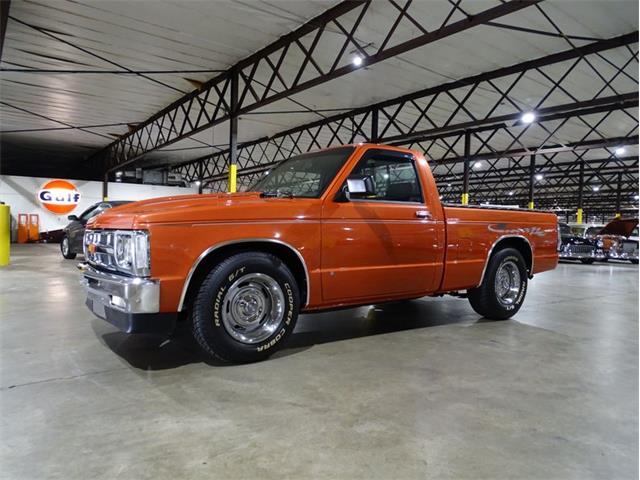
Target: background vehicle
point(616, 241)
point(71, 241)
point(347, 226)
point(575, 247)
point(585, 230)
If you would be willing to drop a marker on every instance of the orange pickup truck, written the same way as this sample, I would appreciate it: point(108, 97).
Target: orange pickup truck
point(351, 225)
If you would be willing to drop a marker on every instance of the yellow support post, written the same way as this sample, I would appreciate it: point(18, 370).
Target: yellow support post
point(465, 199)
point(618, 215)
point(579, 216)
point(5, 235)
point(531, 206)
point(233, 176)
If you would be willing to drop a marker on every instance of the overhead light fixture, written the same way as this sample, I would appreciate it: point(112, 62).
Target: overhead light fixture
point(596, 188)
point(539, 176)
point(357, 60)
point(620, 150)
point(528, 117)
point(198, 183)
point(118, 174)
point(636, 197)
point(477, 165)
point(511, 193)
point(449, 185)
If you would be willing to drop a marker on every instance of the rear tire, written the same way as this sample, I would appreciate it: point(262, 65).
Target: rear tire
point(65, 249)
point(635, 262)
point(587, 261)
point(503, 288)
point(246, 308)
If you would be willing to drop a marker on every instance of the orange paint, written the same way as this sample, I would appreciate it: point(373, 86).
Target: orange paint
point(355, 252)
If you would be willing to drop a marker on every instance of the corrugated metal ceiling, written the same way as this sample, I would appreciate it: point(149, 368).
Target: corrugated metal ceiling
point(194, 36)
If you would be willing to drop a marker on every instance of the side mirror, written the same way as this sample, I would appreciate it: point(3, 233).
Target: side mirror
point(361, 186)
point(73, 218)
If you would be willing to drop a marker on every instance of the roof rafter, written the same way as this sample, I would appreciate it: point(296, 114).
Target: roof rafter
point(212, 104)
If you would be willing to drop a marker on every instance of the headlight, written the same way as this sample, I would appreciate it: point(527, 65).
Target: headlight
point(131, 252)
point(600, 243)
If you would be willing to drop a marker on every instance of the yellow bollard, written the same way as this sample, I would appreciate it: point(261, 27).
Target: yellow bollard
point(579, 216)
point(531, 206)
point(465, 199)
point(618, 215)
point(233, 175)
point(5, 235)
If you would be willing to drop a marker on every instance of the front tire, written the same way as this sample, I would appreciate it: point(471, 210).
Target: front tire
point(65, 249)
point(587, 261)
point(246, 308)
point(503, 288)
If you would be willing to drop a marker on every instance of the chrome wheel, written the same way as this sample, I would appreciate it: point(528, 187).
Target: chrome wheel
point(65, 246)
point(507, 284)
point(253, 308)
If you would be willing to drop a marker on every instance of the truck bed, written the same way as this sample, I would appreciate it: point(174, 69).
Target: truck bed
point(472, 233)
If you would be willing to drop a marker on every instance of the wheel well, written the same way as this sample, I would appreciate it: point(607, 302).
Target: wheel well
point(520, 244)
point(282, 251)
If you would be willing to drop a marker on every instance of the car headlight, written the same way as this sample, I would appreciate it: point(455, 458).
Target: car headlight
point(600, 243)
point(131, 252)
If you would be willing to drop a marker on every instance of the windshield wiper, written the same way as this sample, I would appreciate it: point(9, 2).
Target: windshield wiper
point(277, 193)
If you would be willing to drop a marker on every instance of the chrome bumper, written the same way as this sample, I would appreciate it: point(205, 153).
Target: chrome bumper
point(622, 256)
point(580, 255)
point(118, 292)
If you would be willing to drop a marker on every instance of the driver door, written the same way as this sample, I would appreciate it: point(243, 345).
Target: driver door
point(380, 244)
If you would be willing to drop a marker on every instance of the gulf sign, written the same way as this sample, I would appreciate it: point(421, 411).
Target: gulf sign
point(59, 196)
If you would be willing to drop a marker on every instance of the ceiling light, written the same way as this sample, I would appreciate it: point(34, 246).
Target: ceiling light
point(636, 197)
point(596, 188)
point(620, 150)
point(539, 176)
point(511, 193)
point(357, 60)
point(118, 174)
point(477, 165)
point(449, 185)
point(198, 183)
point(528, 117)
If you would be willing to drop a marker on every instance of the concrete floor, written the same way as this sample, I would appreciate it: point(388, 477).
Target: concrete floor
point(423, 389)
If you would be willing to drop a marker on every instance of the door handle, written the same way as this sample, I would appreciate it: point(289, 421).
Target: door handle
point(423, 214)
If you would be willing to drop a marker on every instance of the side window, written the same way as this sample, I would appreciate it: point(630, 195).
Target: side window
point(92, 212)
point(394, 178)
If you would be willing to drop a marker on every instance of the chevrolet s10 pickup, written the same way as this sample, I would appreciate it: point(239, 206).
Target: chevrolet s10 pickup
point(351, 225)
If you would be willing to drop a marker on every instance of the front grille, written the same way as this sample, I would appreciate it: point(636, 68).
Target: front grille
point(629, 247)
point(98, 248)
point(579, 249)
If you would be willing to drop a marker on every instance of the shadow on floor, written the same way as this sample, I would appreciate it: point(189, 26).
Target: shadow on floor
point(148, 352)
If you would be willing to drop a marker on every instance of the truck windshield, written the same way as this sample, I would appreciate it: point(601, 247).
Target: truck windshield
point(306, 175)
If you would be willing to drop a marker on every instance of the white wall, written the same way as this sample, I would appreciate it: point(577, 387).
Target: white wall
point(20, 194)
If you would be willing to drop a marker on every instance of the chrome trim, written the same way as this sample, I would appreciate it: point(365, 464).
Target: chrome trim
point(498, 240)
point(234, 242)
point(141, 295)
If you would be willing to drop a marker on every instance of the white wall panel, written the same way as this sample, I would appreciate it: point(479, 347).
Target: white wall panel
point(20, 193)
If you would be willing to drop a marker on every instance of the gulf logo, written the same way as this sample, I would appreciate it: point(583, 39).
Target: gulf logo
point(59, 196)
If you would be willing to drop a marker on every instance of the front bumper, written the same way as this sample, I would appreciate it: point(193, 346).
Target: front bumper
point(571, 255)
point(613, 255)
point(131, 304)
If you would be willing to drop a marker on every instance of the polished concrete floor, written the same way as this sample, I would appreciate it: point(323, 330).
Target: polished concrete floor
point(424, 389)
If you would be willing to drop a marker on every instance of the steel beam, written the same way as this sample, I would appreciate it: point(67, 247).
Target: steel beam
point(319, 134)
point(264, 80)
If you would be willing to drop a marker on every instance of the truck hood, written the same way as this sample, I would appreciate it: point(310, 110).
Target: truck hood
point(620, 227)
point(221, 207)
